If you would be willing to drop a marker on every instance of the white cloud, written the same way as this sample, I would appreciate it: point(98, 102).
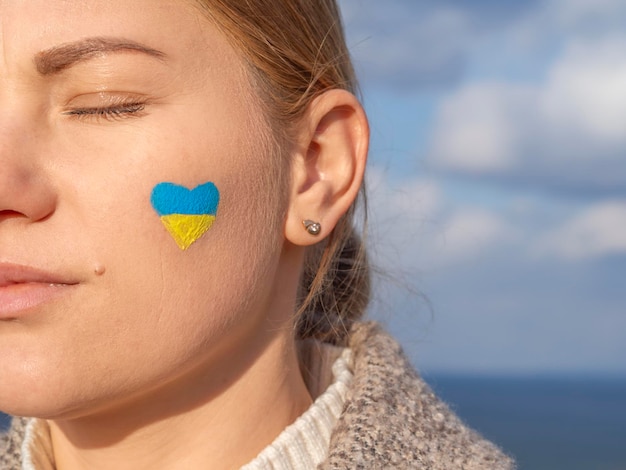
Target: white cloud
point(475, 132)
point(409, 45)
point(421, 197)
point(406, 44)
point(596, 232)
point(567, 131)
point(471, 232)
point(586, 92)
point(414, 224)
point(402, 216)
point(575, 14)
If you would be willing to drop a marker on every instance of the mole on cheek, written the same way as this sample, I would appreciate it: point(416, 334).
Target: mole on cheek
point(99, 270)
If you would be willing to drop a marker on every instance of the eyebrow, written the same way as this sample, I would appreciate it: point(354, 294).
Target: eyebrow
point(59, 58)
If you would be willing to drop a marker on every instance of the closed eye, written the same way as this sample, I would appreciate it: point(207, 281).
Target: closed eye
point(111, 113)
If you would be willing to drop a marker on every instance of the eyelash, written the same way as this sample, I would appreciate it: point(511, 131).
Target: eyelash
point(109, 113)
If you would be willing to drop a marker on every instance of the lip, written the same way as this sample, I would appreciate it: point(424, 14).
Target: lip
point(23, 288)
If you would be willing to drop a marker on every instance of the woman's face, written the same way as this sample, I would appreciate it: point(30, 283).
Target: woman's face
point(100, 101)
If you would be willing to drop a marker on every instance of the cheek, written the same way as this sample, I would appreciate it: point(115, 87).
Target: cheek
point(189, 297)
point(159, 310)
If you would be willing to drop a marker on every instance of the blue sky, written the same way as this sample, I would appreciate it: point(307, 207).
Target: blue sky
point(497, 180)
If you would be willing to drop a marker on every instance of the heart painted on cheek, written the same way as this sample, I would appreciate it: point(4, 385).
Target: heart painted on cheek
point(186, 213)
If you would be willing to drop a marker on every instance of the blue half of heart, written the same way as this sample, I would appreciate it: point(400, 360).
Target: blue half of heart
point(170, 198)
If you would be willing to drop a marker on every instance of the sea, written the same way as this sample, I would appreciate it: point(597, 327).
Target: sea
point(546, 423)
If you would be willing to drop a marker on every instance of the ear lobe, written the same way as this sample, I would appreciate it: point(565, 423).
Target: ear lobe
point(328, 165)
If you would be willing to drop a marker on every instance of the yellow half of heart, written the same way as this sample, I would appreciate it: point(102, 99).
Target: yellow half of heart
point(185, 228)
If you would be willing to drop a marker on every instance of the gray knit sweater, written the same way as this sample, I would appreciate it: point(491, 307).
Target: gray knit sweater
point(391, 419)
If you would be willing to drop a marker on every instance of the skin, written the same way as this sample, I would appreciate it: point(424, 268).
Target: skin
point(146, 360)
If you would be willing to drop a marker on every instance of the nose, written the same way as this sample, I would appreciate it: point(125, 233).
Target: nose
point(26, 191)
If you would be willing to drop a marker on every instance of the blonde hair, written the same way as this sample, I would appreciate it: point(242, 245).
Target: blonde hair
point(296, 50)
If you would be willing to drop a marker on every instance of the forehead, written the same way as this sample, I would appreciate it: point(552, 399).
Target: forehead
point(178, 28)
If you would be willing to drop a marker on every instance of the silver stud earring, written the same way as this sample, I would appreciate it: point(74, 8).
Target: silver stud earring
point(314, 228)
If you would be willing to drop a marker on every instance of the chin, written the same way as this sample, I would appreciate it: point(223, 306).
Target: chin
point(20, 396)
point(34, 383)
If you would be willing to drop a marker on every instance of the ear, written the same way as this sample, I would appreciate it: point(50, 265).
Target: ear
point(328, 164)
